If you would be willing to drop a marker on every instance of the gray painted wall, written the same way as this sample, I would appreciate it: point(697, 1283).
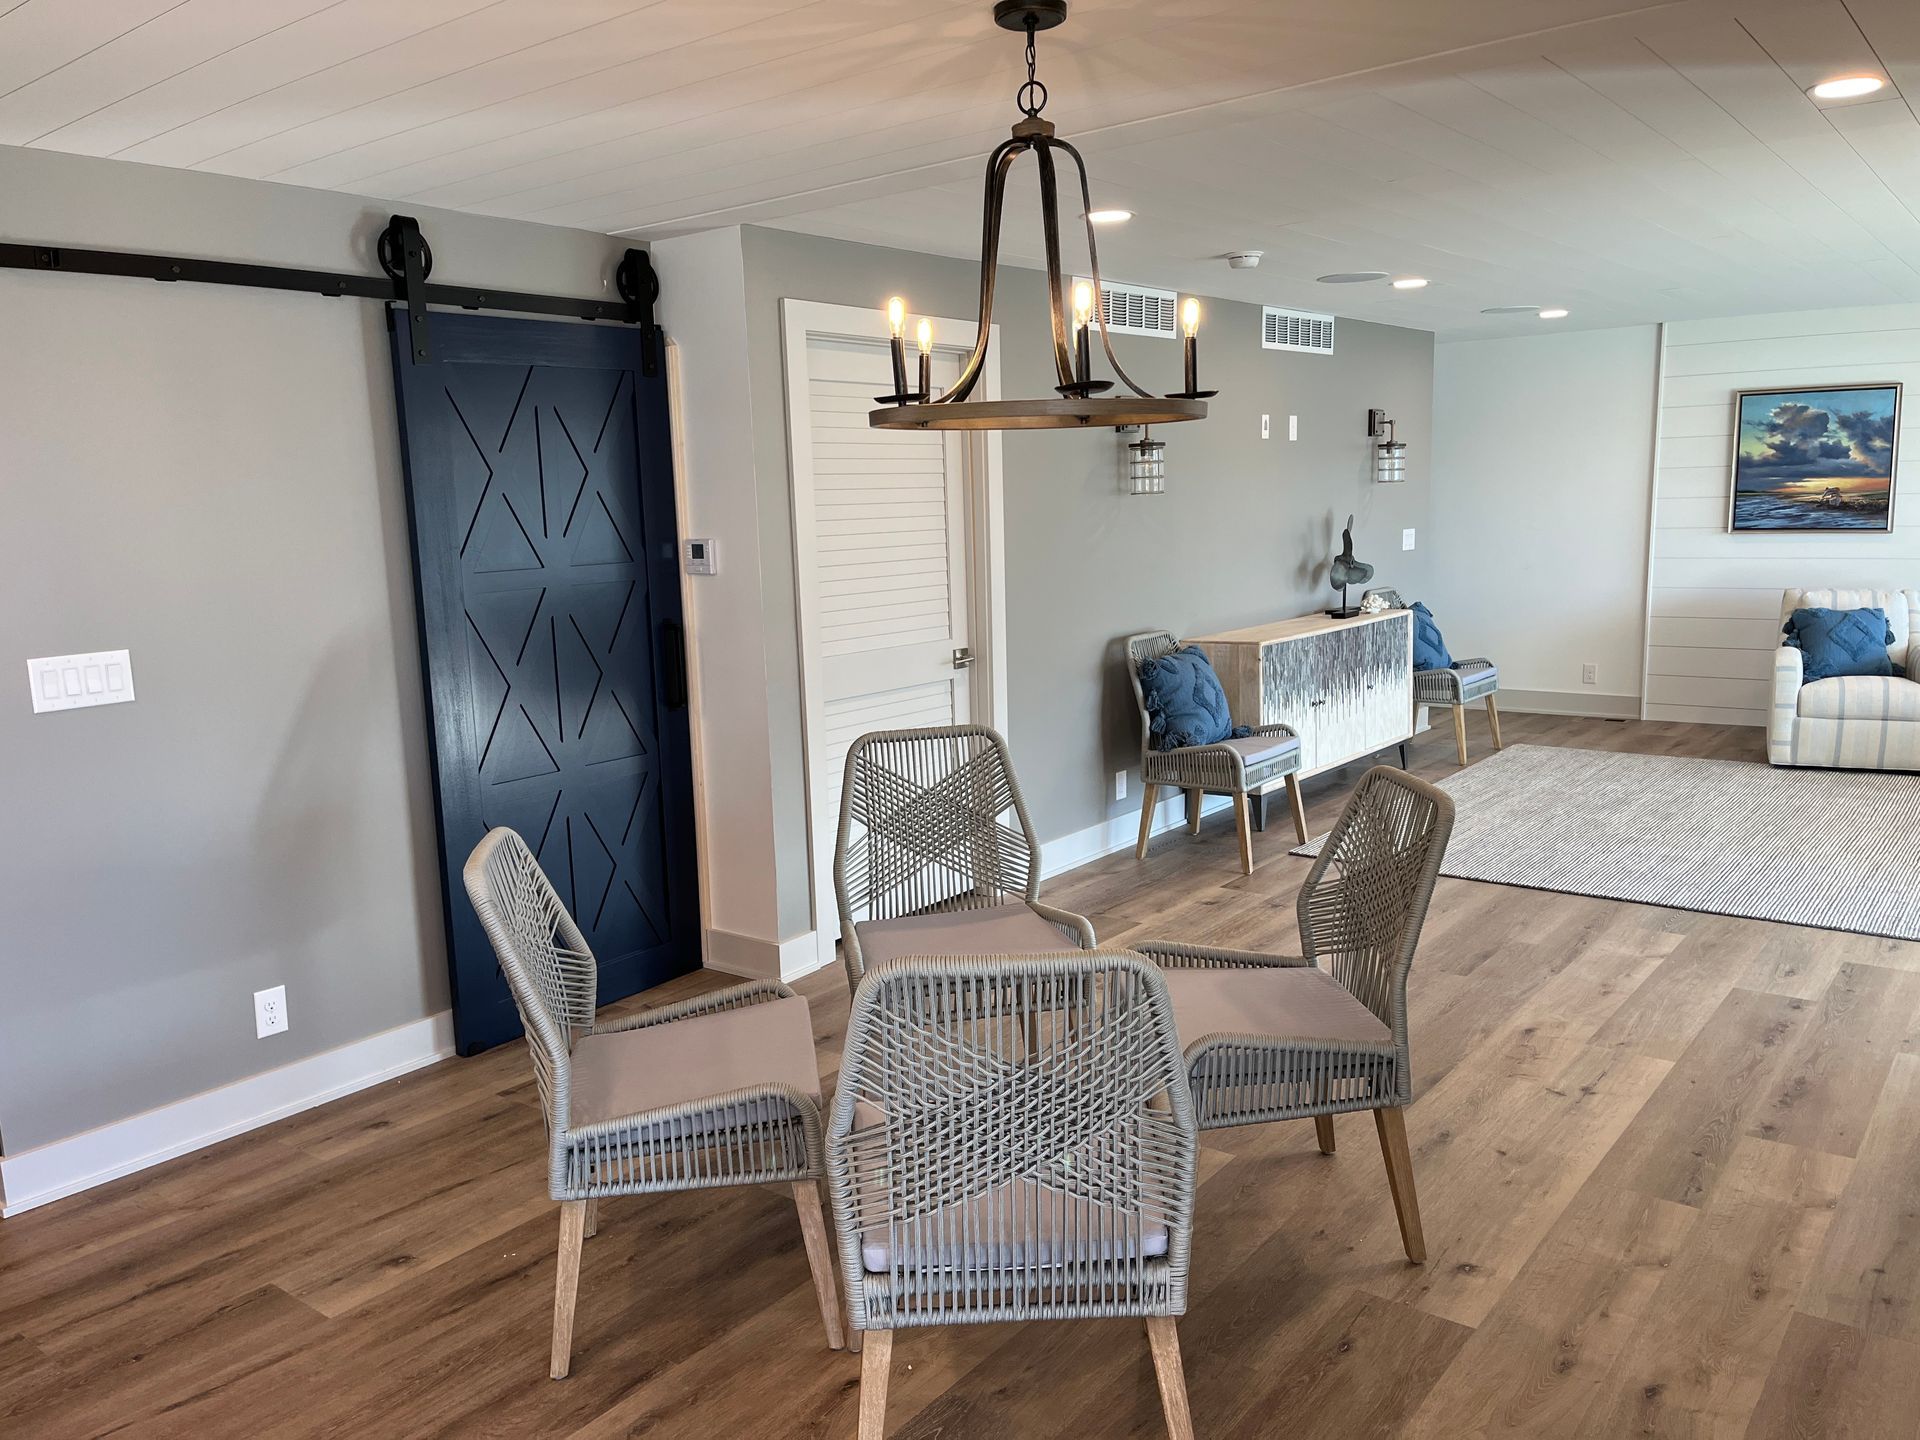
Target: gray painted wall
point(211, 477)
point(1243, 533)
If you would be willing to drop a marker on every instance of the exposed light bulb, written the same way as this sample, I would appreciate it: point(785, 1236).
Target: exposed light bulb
point(1190, 317)
point(1846, 87)
point(1082, 302)
point(896, 316)
point(925, 336)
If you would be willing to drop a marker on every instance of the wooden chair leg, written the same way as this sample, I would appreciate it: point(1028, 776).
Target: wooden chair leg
point(592, 1227)
point(1149, 793)
point(1165, 1340)
point(1493, 720)
point(1323, 1130)
point(1460, 731)
point(566, 1285)
point(1193, 812)
point(1392, 1124)
point(1245, 822)
point(1299, 807)
point(813, 1229)
point(876, 1358)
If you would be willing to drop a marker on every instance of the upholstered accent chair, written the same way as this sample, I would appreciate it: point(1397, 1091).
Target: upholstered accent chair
point(1279, 1037)
point(1232, 767)
point(1850, 722)
point(936, 853)
point(1012, 1138)
point(1466, 682)
point(723, 1089)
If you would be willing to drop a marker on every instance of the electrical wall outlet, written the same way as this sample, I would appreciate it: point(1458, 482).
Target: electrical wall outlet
point(269, 1011)
point(1266, 426)
point(1119, 784)
point(1293, 427)
point(1406, 539)
point(1589, 674)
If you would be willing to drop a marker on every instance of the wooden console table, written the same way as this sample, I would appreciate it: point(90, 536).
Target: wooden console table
point(1345, 687)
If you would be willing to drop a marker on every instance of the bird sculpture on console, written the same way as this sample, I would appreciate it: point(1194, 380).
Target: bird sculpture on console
point(1345, 571)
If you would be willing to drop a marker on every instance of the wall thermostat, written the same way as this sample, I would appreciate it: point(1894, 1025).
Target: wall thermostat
point(703, 557)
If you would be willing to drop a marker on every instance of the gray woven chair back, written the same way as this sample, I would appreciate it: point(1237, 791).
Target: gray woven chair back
point(1366, 896)
point(546, 960)
point(1012, 1138)
point(1140, 648)
point(931, 820)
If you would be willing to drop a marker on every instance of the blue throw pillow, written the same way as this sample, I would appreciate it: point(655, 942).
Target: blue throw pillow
point(1429, 648)
point(1840, 642)
point(1185, 704)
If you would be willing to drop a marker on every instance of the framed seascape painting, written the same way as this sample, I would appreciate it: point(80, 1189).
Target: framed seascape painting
point(1816, 457)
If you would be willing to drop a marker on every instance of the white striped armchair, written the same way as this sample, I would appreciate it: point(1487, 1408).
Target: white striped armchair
point(1850, 722)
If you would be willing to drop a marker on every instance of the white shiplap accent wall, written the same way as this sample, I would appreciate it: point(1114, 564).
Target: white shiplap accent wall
point(1714, 598)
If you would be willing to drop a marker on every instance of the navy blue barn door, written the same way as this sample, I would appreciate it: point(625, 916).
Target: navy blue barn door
point(540, 488)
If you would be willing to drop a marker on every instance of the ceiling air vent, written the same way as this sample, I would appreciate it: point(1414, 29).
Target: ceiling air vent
point(1138, 310)
point(1295, 330)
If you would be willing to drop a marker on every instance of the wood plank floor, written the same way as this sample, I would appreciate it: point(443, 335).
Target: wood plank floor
point(1669, 1166)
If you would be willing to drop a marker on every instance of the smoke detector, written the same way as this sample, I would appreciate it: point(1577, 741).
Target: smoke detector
point(1244, 259)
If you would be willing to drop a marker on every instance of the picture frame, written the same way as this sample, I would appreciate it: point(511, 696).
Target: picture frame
point(1819, 459)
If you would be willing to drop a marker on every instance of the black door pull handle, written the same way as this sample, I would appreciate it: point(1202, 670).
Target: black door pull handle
point(673, 640)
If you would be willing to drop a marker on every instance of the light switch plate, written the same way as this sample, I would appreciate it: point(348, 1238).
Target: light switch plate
point(74, 682)
point(1293, 427)
point(1406, 539)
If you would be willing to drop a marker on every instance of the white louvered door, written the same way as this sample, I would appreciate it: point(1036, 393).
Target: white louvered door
point(884, 575)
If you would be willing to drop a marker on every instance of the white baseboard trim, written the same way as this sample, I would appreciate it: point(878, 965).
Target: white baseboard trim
point(752, 958)
point(1119, 832)
point(1588, 704)
point(66, 1167)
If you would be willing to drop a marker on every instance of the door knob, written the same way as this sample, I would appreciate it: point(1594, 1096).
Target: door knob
point(962, 658)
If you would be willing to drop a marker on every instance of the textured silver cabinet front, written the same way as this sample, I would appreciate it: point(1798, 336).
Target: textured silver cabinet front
point(1346, 692)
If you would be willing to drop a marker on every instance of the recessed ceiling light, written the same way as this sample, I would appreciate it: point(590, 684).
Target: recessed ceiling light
point(1553, 312)
point(1109, 217)
point(1511, 310)
point(1351, 277)
point(1846, 87)
point(1410, 282)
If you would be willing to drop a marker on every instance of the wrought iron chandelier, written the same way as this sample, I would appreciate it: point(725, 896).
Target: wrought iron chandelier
point(1081, 400)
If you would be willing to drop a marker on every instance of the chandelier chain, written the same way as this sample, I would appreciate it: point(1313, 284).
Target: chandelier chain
point(1032, 96)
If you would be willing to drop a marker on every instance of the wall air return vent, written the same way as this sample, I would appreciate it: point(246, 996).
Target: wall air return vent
point(1295, 330)
point(1137, 309)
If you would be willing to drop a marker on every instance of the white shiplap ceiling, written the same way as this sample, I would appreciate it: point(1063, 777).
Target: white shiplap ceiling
point(1632, 162)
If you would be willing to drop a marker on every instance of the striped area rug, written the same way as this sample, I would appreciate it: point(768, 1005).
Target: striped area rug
point(1829, 848)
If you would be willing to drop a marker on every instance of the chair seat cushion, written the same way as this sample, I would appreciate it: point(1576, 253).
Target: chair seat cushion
point(1018, 1224)
point(1288, 1002)
point(1265, 749)
point(1861, 697)
point(629, 1072)
point(1011, 929)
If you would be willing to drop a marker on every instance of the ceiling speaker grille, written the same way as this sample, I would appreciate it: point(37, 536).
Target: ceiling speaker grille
point(1138, 309)
point(1295, 330)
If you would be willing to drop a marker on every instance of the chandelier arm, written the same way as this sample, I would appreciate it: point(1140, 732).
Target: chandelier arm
point(1050, 229)
point(1093, 264)
point(998, 164)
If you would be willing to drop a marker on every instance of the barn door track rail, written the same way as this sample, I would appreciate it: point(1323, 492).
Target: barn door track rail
point(405, 258)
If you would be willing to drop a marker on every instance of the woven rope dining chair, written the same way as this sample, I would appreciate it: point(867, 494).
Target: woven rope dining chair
point(1012, 1139)
point(1458, 687)
point(1230, 767)
point(722, 1089)
point(1273, 1037)
point(936, 854)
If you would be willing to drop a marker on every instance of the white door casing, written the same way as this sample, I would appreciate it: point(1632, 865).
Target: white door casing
point(898, 559)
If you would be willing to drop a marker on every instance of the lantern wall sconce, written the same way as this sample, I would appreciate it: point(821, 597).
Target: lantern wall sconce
point(1146, 463)
point(1390, 455)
